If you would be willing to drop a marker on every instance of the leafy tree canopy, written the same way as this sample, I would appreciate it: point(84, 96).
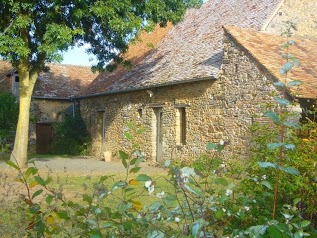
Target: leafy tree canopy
point(39, 31)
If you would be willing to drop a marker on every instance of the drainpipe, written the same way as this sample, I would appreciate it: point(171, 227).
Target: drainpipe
point(74, 107)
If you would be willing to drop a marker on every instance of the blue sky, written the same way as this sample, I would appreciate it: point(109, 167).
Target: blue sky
point(77, 56)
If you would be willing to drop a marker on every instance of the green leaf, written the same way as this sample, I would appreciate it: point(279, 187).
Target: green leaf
point(167, 163)
point(221, 181)
point(156, 234)
point(170, 199)
point(257, 230)
point(196, 227)
point(35, 208)
point(155, 206)
point(39, 180)
point(132, 162)
point(211, 146)
point(87, 198)
point(304, 224)
point(282, 101)
point(130, 125)
point(292, 124)
point(123, 207)
point(294, 83)
point(91, 222)
point(140, 131)
point(12, 164)
point(135, 169)
point(279, 84)
point(289, 170)
point(280, 230)
point(37, 193)
point(267, 165)
point(267, 184)
point(49, 198)
point(290, 147)
point(128, 135)
point(288, 66)
point(195, 191)
point(108, 224)
point(123, 155)
point(296, 201)
point(119, 184)
point(219, 214)
point(143, 177)
point(273, 116)
point(95, 233)
point(273, 146)
point(63, 215)
point(31, 171)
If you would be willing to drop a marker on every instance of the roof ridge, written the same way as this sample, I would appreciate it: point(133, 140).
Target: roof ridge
point(269, 20)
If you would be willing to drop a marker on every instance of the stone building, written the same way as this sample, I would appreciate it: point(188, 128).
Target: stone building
point(52, 95)
point(196, 83)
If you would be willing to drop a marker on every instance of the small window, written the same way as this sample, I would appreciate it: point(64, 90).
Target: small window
point(15, 85)
point(181, 125)
point(140, 112)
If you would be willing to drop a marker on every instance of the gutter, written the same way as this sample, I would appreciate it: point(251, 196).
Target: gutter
point(52, 98)
point(145, 87)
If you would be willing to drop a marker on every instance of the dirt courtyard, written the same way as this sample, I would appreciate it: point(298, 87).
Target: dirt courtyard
point(81, 166)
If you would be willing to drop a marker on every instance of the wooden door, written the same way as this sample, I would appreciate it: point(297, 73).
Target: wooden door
point(44, 137)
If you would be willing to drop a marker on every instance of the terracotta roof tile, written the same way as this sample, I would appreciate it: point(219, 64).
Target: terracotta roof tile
point(267, 50)
point(5, 67)
point(192, 49)
point(62, 81)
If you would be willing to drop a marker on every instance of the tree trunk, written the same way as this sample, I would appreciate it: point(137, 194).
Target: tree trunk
point(27, 82)
point(19, 154)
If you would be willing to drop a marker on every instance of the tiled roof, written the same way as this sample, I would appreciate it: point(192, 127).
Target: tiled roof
point(135, 54)
point(191, 50)
point(4, 68)
point(267, 50)
point(61, 81)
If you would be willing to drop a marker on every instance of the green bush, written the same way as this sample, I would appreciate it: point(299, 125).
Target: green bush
point(188, 203)
point(71, 136)
point(9, 111)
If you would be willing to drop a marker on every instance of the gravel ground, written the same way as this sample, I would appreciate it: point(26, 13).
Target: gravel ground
point(82, 166)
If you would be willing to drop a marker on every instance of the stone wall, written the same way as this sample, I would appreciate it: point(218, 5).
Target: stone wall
point(248, 92)
point(43, 111)
point(300, 12)
point(222, 109)
point(6, 84)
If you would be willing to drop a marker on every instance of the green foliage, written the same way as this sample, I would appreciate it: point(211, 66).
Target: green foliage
point(9, 109)
point(189, 203)
point(52, 27)
point(71, 136)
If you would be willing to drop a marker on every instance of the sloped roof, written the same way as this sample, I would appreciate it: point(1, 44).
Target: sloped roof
point(267, 50)
point(136, 53)
point(61, 81)
point(191, 50)
point(4, 68)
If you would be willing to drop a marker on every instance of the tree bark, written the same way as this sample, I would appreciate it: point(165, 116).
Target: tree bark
point(27, 82)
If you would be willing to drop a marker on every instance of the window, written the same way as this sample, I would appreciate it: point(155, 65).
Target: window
point(140, 112)
point(181, 125)
point(15, 84)
point(101, 125)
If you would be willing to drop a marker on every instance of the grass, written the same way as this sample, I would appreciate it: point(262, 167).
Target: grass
point(13, 220)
